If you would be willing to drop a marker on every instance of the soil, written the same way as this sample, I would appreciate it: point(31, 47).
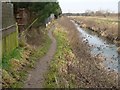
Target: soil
point(36, 76)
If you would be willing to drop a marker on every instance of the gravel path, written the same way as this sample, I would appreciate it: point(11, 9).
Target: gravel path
point(36, 76)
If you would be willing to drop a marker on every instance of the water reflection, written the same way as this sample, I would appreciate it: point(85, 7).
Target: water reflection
point(101, 46)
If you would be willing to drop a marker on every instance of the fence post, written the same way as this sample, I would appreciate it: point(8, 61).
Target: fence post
point(17, 43)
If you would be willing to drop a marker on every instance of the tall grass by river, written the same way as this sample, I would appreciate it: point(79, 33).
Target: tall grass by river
point(106, 27)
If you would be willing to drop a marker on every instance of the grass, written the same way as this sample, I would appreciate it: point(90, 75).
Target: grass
point(16, 54)
point(9, 74)
point(17, 63)
point(55, 75)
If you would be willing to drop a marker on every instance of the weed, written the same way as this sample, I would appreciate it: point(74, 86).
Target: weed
point(16, 54)
point(53, 77)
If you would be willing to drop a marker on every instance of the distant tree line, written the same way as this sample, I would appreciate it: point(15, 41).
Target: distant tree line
point(100, 13)
point(103, 13)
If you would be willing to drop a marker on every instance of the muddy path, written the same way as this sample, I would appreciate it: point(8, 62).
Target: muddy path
point(36, 76)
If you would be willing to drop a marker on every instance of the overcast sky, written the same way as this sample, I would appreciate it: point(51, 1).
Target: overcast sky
point(76, 6)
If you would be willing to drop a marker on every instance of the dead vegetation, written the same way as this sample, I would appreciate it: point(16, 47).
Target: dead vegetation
point(105, 27)
point(14, 68)
point(87, 71)
point(36, 36)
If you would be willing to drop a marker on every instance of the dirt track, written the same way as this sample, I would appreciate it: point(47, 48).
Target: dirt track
point(36, 76)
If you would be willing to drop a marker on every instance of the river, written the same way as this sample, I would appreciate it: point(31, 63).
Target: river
point(101, 46)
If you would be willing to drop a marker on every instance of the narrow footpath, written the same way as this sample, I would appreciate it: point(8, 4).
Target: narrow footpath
point(36, 76)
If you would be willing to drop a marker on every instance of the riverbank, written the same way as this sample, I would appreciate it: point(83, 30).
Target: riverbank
point(105, 27)
point(100, 47)
point(73, 66)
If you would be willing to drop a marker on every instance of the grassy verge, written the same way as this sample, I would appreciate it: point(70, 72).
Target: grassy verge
point(16, 64)
point(13, 66)
point(57, 76)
